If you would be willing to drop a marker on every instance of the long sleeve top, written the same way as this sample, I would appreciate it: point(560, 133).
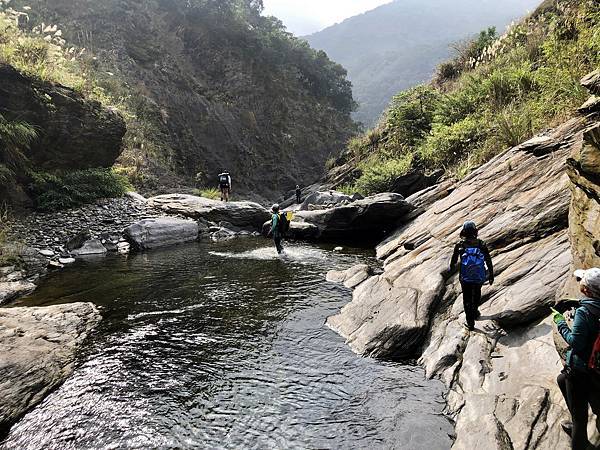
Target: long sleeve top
point(582, 336)
point(468, 243)
point(274, 225)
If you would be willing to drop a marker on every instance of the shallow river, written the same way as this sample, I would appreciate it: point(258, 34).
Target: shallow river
point(224, 346)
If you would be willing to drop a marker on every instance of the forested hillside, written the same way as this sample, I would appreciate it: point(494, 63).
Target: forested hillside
point(398, 45)
point(496, 94)
point(202, 84)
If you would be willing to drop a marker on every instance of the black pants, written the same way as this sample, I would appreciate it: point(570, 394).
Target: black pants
point(298, 199)
point(471, 301)
point(278, 246)
point(579, 389)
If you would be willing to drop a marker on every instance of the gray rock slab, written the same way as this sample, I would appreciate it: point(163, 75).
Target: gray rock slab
point(37, 352)
point(153, 233)
point(240, 214)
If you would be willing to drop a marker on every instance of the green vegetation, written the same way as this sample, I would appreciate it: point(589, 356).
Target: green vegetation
point(15, 138)
point(494, 95)
point(9, 254)
point(53, 192)
point(211, 193)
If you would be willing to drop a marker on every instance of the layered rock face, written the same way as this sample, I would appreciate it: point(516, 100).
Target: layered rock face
point(501, 378)
point(584, 217)
point(37, 352)
point(73, 133)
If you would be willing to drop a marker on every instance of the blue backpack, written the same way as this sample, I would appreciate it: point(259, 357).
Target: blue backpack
point(472, 266)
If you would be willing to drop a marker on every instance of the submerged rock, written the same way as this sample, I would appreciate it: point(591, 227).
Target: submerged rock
point(37, 352)
point(90, 248)
point(153, 233)
point(239, 214)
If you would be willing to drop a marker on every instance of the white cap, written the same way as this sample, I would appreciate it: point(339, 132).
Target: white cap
point(590, 278)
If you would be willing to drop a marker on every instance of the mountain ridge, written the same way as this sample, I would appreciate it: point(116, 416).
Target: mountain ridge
point(367, 45)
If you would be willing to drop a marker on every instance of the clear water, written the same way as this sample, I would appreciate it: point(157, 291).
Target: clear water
point(224, 346)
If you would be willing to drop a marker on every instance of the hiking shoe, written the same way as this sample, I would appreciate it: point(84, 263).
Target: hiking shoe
point(567, 427)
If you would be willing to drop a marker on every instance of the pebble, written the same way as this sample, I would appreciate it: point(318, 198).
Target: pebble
point(47, 253)
point(65, 261)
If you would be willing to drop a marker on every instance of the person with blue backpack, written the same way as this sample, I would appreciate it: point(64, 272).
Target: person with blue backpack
point(475, 269)
point(579, 382)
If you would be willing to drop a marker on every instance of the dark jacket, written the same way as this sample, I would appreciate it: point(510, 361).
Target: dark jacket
point(459, 249)
point(582, 336)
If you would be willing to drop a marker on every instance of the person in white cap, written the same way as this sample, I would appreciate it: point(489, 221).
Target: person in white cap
point(580, 386)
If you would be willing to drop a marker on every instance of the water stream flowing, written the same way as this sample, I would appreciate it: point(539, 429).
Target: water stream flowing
point(224, 346)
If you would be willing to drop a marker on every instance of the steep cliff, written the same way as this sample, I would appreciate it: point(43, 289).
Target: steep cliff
point(210, 85)
point(540, 224)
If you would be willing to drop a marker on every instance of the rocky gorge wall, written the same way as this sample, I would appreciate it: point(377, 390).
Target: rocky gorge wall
point(537, 206)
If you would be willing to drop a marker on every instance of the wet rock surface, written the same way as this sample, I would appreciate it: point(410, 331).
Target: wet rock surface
point(501, 378)
point(37, 353)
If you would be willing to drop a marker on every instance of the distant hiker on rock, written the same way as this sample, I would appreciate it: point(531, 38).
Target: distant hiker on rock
point(475, 269)
point(298, 194)
point(225, 185)
point(280, 224)
point(580, 379)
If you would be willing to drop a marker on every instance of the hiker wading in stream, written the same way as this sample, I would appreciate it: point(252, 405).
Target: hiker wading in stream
point(579, 381)
point(475, 269)
point(276, 228)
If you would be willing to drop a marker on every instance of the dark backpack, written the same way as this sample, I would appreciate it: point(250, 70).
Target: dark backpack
point(594, 362)
point(472, 266)
point(224, 180)
point(283, 224)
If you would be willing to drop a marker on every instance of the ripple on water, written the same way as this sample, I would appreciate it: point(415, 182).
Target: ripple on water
point(224, 346)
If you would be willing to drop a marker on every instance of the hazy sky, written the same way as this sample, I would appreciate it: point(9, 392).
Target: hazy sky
point(304, 17)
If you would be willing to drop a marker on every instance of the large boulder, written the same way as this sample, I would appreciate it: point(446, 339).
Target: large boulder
point(248, 215)
point(74, 133)
point(365, 220)
point(37, 353)
point(153, 233)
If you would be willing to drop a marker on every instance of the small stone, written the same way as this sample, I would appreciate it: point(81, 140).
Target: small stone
point(66, 261)
point(338, 249)
point(47, 253)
